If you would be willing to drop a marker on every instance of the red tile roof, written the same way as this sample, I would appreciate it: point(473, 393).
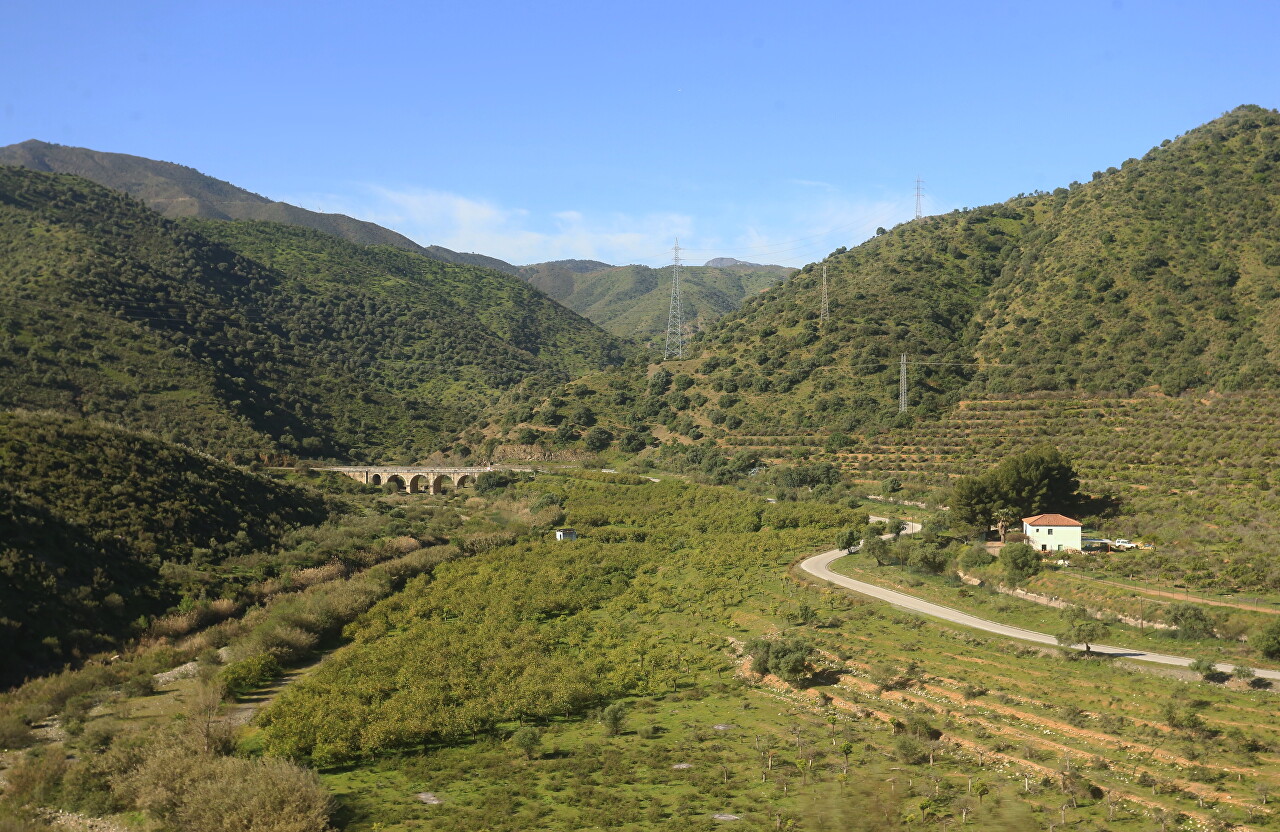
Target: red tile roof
point(1051, 520)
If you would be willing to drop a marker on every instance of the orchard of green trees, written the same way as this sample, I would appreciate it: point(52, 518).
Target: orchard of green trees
point(545, 630)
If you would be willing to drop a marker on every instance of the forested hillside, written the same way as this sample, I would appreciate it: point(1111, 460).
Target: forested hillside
point(179, 191)
point(336, 349)
point(633, 301)
point(1166, 272)
point(99, 525)
point(1163, 272)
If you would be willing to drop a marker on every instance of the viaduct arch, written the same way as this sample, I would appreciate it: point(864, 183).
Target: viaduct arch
point(415, 479)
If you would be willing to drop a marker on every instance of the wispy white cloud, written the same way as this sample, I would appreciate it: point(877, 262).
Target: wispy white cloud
point(516, 235)
point(805, 229)
point(794, 230)
point(811, 183)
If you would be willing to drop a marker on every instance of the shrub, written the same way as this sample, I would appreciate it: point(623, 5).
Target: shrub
point(16, 824)
point(141, 684)
point(285, 641)
point(14, 733)
point(613, 718)
point(1267, 642)
point(1191, 621)
point(527, 740)
point(597, 439)
point(1020, 561)
point(975, 557)
point(267, 795)
point(786, 658)
point(911, 751)
point(1205, 668)
point(37, 779)
point(250, 674)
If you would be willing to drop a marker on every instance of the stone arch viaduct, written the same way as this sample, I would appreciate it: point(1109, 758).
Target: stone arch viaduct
point(415, 479)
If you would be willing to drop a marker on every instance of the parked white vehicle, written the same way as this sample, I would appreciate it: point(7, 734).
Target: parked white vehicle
point(1121, 543)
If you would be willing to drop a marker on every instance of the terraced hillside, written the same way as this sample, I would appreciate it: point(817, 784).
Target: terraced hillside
point(1195, 475)
point(938, 714)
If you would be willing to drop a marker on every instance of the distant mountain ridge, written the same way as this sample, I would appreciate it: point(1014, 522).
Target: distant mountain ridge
point(632, 301)
point(728, 262)
point(177, 191)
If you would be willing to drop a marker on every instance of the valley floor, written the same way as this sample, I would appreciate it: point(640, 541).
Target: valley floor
point(603, 682)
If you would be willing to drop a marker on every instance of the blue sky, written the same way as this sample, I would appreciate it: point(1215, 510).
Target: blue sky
point(529, 131)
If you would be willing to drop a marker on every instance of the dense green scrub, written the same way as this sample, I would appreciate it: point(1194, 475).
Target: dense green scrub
point(328, 348)
point(633, 301)
point(99, 525)
point(544, 629)
point(1163, 271)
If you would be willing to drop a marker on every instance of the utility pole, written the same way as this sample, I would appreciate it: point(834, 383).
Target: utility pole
point(902, 385)
point(825, 315)
point(675, 317)
point(919, 197)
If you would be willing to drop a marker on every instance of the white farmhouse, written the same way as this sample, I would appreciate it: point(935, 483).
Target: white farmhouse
point(1052, 532)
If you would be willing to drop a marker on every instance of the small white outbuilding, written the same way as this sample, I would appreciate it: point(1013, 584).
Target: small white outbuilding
point(1052, 532)
point(566, 534)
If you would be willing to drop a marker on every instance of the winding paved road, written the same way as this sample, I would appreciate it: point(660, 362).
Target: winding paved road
point(820, 567)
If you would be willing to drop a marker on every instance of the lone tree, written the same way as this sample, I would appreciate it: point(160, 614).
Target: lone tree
point(847, 539)
point(785, 658)
point(527, 740)
point(613, 718)
point(1267, 642)
point(1079, 627)
point(1020, 561)
point(1037, 481)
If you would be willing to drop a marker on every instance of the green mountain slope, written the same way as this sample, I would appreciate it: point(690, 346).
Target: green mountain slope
point(178, 191)
point(97, 521)
point(633, 301)
point(557, 277)
point(1164, 272)
point(329, 347)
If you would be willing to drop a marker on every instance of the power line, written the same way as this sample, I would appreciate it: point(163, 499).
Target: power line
point(825, 316)
point(779, 246)
point(675, 314)
point(902, 385)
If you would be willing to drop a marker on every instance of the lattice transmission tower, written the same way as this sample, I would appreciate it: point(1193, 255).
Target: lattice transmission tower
point(902, 385)
point(919, 197)
point(825, 315)
point(675, 317)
